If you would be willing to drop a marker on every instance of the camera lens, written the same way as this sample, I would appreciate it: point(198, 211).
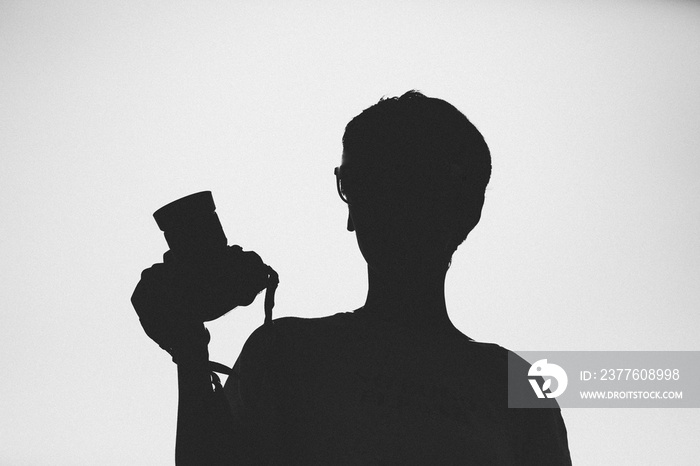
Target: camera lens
point(191, 227)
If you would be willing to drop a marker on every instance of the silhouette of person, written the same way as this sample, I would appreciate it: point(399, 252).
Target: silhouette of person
point(393, 382)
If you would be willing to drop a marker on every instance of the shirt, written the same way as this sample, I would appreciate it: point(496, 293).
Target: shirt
point(351, 389)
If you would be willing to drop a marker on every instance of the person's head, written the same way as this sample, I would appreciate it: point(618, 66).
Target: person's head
point(414, 173)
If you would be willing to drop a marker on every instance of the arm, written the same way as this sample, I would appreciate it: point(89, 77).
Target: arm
point(539, 433)
point(240, 427)
point(167, 300)
point(204, 426)
point(204, 421)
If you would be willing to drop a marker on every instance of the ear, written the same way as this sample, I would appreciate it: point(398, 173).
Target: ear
point(351, 226)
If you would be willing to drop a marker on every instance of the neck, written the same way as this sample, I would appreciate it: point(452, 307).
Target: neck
point(413, 297)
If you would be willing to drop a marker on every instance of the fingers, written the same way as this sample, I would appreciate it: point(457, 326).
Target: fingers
point(255, 278)
point(158, 302)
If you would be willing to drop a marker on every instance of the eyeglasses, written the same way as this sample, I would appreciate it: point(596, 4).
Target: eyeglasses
point(360, 184)
point(339, 185)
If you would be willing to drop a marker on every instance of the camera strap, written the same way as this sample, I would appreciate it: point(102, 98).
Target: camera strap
point(273, 280)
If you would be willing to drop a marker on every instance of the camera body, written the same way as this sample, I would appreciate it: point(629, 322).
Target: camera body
point(213, 278)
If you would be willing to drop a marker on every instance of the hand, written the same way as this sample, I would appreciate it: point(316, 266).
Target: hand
point(174, 299)
point(248, 271)
point(159, 302)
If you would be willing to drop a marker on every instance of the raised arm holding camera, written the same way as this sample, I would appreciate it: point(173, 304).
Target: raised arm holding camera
point(393, 382)
point(201, 278)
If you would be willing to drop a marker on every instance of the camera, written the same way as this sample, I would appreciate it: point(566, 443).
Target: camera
point(214, 277)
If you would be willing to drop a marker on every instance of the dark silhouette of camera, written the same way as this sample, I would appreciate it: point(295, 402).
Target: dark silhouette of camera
point(214, 277)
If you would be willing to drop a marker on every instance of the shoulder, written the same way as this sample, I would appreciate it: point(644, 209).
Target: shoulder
point(299, 325)
point(283, 350)
point(496, 359)
point(287, 335)
point(288, 329)
point(488, 360)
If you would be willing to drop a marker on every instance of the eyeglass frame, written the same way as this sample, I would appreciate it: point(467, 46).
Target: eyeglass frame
point(338, 177)
point(336, 172)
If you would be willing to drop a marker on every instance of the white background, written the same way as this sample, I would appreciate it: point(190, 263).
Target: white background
point(588, 240)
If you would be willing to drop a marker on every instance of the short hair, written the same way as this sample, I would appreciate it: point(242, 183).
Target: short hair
point(441, 158)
